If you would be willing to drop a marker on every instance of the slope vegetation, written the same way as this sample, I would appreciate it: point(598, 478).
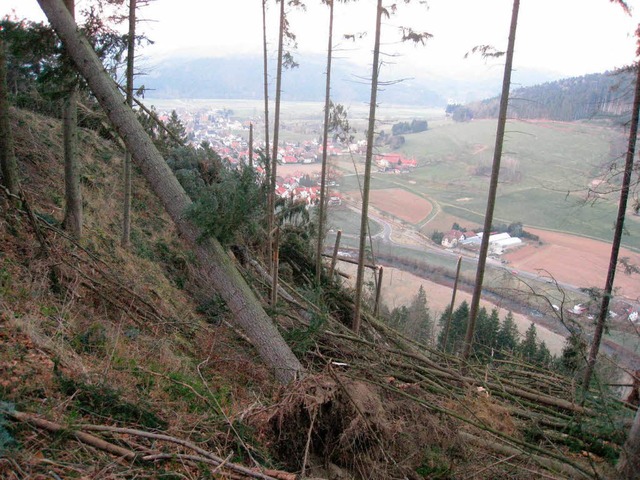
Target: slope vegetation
point(113, 366)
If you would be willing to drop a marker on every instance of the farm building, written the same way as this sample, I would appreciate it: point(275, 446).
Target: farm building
point(452, 238)
point(395, 160)
point(498, 243)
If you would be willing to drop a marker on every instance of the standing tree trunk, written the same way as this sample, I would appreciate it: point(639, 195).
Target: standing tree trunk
point(276, 131)
point(617, 237)
point(447, 327)
point(364, 219)
point(7, 154)
point(73, 195)
point(266, 97)
point(215, 266)
point(325, 140)
point(126, 217)
point(493, 185)
point(250, 160)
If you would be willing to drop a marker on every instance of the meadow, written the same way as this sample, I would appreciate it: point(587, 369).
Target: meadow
point(550, 169)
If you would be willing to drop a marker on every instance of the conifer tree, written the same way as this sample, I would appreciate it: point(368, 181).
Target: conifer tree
point(322, 206)
point(443, 322)
point(284, 60)
point(528, 348)
point(364, 218)
point(507, 339)
point(265, 84)
point(487, 332)
point(131, 38)
point(325, 139)
point(408, 35)
point(619, 228)
point(573, 355)
point(420, 325)
point(543, 356)
point(457, 328)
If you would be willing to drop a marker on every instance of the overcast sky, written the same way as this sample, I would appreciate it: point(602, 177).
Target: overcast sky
point(566, 37)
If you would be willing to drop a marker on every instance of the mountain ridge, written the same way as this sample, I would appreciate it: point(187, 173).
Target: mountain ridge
point(241, 77)
point(594, 96)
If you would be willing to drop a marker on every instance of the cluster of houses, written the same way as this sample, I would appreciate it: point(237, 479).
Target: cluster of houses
point(221, 131)
point(394, 163)
point(290, 187)
point(624, 311)
point(498, 242)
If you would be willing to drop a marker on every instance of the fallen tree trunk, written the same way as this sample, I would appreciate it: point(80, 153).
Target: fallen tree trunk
point(548, 463)
point(122, 453)
point(215, 266)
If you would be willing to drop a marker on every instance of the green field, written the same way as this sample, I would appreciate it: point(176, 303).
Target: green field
point(550, 167)
point(345, 219)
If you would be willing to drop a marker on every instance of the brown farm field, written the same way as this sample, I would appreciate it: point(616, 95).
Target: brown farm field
point(401, 204)
point(578, 261)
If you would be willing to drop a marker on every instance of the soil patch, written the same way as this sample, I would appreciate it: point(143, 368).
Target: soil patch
point(401, 204)
point(578, 261)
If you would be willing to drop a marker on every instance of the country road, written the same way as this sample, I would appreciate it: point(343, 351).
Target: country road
point(417, 242)
point(413, 240)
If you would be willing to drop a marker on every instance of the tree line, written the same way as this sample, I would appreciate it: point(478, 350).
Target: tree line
point(598, 95)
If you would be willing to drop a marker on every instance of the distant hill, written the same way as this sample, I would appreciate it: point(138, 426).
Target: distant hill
point(241, 78)
point(598, 95)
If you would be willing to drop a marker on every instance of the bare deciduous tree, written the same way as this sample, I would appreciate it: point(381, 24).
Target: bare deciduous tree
point(493, 185)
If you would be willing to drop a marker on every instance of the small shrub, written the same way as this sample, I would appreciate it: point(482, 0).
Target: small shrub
point(434, 465)
point(302, 339)
point(192, 391)
point(7, 441)
point(437, 237)
point(104, 401)
point(214, 309)
point(93, 340)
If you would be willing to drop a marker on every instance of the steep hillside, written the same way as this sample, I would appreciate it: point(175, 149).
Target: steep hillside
point(92, 333)
point(113, 366)
point(599, 95)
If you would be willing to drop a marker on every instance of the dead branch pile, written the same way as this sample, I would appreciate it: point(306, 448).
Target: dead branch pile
point(383, 406)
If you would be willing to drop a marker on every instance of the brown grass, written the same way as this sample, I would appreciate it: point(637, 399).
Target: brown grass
point(401, 204)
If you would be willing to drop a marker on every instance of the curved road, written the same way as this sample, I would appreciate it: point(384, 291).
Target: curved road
point(386, 237)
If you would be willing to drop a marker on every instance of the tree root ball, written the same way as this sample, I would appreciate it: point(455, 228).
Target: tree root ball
point(352, 426)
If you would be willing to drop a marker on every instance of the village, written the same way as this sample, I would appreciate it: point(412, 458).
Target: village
point(229, 136)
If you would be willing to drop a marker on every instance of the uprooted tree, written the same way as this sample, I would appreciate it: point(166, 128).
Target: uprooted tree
point(215, 267)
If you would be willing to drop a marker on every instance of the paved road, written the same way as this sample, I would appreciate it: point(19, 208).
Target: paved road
point(424, 245)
